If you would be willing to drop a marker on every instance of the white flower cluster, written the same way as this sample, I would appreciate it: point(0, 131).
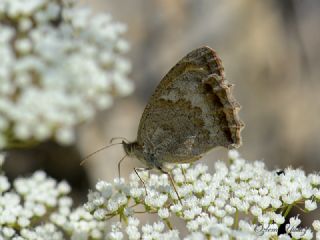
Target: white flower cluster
point(39, 208)
point(59, 64)
point(154, 231)
point(241, 200)
point(30, 200)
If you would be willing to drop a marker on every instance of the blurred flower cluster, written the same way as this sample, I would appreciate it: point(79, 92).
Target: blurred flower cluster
point(59, 65)
point(240, 200)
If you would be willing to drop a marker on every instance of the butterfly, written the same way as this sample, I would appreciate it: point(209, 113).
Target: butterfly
point(191, 111)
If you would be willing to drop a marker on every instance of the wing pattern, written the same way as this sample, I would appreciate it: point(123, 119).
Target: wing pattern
point(191, 111)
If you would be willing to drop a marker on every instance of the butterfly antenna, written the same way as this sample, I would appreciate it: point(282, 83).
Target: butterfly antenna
point(87, 157)
point(116, 138)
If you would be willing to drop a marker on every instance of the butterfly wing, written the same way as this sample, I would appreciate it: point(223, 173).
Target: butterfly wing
point(191, 111)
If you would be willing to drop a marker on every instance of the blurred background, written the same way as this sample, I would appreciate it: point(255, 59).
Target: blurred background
point(270, 51)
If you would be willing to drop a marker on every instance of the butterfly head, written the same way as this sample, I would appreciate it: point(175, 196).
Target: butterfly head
point(134, 149)
point(131, 148)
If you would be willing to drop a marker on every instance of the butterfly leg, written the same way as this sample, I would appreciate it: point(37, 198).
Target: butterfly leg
point(172, 182)
point(136, 170)
point(119, 163)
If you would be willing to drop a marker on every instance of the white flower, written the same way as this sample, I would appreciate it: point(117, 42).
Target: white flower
point(264, 202)
point(278, 219)
point(104, 188)
point(284, 237)
point(115, 235)
point(4, 184)
point(61, 63)
point(133, 233)
point(316, 225)
point(310, 205)
point(158, 226)
point(228, 221)
point(314, 179)
point(63, 187)
point(176, 207)
point(8, 232)
point(137, 192)
point(156, 200)
point(163, 213)
point(256, 211)
point(308, 234)
point(196, 236)
point(294, 222)
point(65, 135)
point(276, 203)
point(233, 154)
point(317, 193)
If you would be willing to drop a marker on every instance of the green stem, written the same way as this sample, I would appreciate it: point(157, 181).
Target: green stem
point(168, 223)
point(184, 174)
point(287, 211)
point(236, 220)
point(254, 220)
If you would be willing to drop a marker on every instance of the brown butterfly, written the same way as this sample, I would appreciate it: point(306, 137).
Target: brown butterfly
point(191, 111)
